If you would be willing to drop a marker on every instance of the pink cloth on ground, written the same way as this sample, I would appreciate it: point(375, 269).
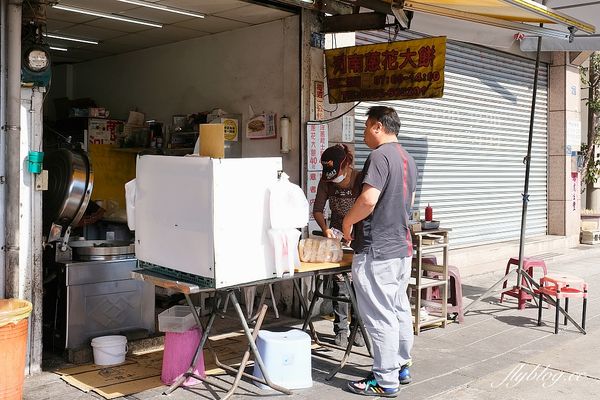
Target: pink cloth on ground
point(177, 356)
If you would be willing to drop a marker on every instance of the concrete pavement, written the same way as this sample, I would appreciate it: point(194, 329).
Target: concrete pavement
point(498, 353)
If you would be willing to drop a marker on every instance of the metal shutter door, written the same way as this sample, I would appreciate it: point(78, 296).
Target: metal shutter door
point(470, 144)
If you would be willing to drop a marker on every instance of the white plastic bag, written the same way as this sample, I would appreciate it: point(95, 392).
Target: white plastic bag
point(288, 205)
point(286, 250)
point(130, 203)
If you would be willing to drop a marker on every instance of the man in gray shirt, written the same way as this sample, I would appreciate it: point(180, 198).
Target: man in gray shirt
point(382, 261)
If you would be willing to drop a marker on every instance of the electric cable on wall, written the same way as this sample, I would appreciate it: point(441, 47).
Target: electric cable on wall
point(326, 121)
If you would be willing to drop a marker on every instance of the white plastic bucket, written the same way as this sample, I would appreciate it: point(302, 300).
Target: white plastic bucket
point(109, 350)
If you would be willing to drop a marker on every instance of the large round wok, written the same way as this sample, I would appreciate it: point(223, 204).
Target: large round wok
point(70, 183)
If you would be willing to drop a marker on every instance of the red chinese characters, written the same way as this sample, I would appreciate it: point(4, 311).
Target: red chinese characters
point(388, 60)
point(372, 61)
point(395, 70)
point(407, 57)
point(322, 140)
point(339, 64)
point(313, 148)
point(426, 56)
point(355, 63)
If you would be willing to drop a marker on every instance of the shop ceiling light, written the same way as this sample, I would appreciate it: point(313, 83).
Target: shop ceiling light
point(155, 6)
point(106, 15)
point(72, 39)
point(57, 48)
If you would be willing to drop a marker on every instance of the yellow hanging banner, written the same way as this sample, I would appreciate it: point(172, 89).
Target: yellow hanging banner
point(409, 69)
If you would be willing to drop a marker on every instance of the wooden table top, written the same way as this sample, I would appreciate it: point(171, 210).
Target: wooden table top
point(191, 288)
point(310, 267)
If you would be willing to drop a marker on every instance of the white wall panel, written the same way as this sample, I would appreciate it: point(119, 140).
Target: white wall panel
point(257, 66)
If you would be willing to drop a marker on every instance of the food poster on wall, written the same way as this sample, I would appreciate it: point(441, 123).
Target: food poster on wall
point(408, 69)
point(262, 126)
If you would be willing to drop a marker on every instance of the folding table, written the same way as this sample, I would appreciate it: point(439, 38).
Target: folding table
point(307, 270)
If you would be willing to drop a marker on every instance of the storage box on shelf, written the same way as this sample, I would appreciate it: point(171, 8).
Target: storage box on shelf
point(428, 242)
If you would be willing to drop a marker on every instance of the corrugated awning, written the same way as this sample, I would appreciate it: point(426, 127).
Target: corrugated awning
point(513, 14)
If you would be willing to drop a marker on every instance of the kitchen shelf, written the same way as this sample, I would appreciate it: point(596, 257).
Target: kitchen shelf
point(420, 280)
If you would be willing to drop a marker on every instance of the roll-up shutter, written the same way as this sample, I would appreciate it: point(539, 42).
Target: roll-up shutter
point(470, 144)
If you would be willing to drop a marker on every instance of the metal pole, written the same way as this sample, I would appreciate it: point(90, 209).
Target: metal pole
point(527, 160)
point(528, 167)
point(12, 129)
point(3, 39)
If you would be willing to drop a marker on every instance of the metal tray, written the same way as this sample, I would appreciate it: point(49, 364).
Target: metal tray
point(92, 250)
point(425, 225)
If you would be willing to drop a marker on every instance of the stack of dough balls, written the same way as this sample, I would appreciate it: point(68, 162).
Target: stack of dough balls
point(320, 250)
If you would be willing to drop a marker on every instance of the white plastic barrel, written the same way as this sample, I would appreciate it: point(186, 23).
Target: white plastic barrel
point(109, 350)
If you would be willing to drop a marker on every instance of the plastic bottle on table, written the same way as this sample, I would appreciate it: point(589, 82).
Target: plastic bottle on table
point(428, 213)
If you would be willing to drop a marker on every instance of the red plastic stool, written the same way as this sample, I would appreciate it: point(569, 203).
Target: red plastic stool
point(562, 286)
point(528, 265)
point(454, 292)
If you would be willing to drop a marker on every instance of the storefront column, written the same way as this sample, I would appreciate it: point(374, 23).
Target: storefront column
point(564, 137)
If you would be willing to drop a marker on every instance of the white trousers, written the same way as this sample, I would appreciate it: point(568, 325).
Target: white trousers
point(383, 304)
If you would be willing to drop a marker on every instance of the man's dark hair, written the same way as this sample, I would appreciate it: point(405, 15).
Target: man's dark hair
point(388, 118)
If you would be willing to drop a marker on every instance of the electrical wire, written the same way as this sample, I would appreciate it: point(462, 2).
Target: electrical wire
point(326, 121)
point(330, 111)
point(49, 80)
point(67, 139)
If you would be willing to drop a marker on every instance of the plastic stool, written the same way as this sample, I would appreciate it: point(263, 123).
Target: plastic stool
point(562, 286)
point(427, 293)
point(454, 292)
point(177, 356)
point(528, 265)
point(287, 358)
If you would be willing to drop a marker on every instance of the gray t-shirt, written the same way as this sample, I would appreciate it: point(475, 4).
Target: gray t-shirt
point(390, 169)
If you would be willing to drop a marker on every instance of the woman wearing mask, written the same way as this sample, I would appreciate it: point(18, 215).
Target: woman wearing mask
point(340, 184)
